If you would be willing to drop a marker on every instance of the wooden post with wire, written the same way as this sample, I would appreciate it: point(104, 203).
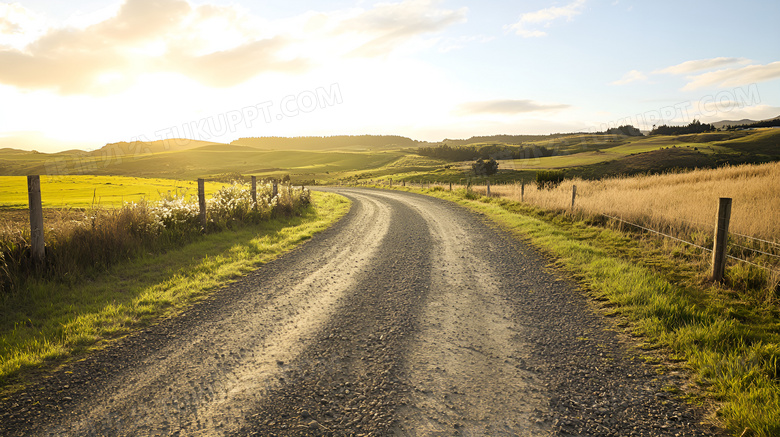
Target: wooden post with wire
point(254, 192)
point(522, 190)
point(573, 196)
point(721, 239)
point(488, 187)
point(37, 243)
point(202, 202)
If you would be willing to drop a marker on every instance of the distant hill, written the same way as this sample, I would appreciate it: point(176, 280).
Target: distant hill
point(723, 123)
point(142, 147)
point(339, 142)
point(745, 121)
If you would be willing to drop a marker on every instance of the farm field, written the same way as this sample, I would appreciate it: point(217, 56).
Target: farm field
point(204, 161)
point(87, 191)
point(596, 152)
point(682, 200)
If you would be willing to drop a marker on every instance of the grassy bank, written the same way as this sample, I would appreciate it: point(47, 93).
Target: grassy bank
point(50, 321)
point(729, 340)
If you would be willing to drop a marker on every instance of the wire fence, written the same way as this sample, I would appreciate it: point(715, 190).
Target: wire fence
point(422, 184)
point(701, 247)
point(692, 223)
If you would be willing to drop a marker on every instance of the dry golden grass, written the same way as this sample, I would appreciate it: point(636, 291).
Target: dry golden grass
point(684, 201)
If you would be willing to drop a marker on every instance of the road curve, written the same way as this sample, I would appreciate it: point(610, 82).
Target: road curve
point(411, 316)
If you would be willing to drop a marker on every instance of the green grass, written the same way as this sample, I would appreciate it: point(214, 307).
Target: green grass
point(198, 162)
point(730, 341)
point(51, 321)
point(87, 191)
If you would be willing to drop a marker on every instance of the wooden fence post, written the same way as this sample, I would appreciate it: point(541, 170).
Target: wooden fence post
point(36, 219)
point(488, 187)
point(202, 201)
point(721, 239)
point(522, 190)
point(275, 190)
point(254, 192)
point(573, 196)
point(450, 185)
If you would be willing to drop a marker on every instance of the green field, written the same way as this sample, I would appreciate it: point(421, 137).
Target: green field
point(586, 155)
point(205, 161)
point(87, 191)
point(599, 150)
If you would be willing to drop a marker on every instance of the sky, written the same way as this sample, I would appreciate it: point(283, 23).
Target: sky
point(84, 73)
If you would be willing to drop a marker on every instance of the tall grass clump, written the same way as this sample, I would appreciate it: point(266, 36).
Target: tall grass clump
point(103, 237)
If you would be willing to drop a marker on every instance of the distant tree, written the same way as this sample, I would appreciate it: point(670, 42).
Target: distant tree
point(485, 168)
point(695, 127)
point(627, 130)
point(483, 151)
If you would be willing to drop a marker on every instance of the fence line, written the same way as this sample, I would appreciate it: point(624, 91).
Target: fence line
point(680, 239)
point(752, 263)
point(757, 239)
point(657, 232)
point(755, 250)
point(700, 247)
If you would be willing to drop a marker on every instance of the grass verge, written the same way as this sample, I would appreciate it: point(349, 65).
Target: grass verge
point(729, 340)
point(51, 321)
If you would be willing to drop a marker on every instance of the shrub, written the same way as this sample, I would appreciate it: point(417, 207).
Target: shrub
point(549, 178)
point(485, 168)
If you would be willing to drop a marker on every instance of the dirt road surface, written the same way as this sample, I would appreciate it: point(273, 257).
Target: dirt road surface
point(411, 317)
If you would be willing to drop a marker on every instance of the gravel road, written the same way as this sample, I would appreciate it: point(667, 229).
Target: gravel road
point(411, 316)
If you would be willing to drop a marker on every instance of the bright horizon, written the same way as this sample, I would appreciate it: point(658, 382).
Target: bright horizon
point(85, 73)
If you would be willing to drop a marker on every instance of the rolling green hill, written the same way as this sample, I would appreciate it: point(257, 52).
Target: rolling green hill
point(586, 155)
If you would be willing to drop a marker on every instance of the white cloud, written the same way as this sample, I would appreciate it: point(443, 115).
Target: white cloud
point(219, 46)
point(508, 107)
point(631, 76)
point(390, 25)
point(733, 77)
point(19, 26)
point(545, 17)
point(701, 64)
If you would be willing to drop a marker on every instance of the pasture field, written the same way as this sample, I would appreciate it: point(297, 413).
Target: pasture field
point(680, 200)
point(204, 161)
point(86, 191)
point(591, 151)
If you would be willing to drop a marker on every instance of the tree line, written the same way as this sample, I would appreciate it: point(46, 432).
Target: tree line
point(483, 151)
point(695, 127)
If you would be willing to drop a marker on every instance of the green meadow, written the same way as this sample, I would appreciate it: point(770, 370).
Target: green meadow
point(86, 191)
point(586, 155)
